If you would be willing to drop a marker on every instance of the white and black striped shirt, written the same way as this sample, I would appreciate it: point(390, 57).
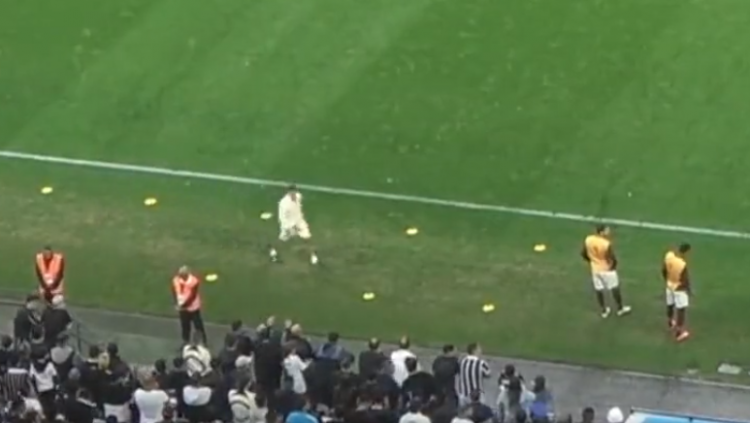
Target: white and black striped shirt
point(471, 375)
point(15, 381)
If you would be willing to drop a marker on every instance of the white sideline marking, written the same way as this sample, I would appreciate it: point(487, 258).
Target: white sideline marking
point(374, 194)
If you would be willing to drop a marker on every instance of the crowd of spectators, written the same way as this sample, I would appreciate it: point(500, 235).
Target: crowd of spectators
point(272, 373)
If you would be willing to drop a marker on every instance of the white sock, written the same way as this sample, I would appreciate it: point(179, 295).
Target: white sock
point(313, 258)
point(273, 253)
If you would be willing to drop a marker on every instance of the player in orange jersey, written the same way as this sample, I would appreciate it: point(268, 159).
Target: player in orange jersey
point(598, 252)
point(675, 273)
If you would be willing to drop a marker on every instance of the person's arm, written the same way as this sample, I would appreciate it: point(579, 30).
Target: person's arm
point(61, 274)
point(685, 281)
point(486, 371)
point(585, 254)
point(612, 258)
point(39, 275)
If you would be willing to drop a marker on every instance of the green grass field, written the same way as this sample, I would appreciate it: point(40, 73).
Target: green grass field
point(555, 105)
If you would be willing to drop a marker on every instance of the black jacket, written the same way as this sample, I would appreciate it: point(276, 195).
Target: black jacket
point(55, 323)
point(370, 363)
point(118, 383)
point(78, 409)
point(268, 365)
point(419, 385)
point(445, 368)
point(23, 322)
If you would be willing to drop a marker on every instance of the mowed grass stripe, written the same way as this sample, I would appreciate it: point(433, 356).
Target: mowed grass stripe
point(162, 171)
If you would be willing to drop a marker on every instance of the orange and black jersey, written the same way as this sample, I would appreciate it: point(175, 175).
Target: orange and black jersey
point(598, 252)
point(675, 272)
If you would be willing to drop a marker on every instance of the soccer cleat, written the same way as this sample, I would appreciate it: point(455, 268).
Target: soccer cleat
point(624, 310)
point(273, 255)
point(313, 259)
point(682, 335)
point(606, 313)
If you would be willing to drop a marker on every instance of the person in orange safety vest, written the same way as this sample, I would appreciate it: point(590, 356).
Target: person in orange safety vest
point(186, 286)
point(50, 273)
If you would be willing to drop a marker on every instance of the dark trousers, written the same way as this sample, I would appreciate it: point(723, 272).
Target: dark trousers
point(190, 320)
point(47, 400)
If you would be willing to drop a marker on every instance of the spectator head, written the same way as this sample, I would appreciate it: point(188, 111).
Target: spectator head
point(103, 360)
point(183, 272)
point(509, 371)
point(296, 329)
point(263, 332)
point(615, 415)
point(540, 384)
point(230, 341)
point(244, 363)
point(411, 364)
point(373, 344)
point(94, 352)
point(74, 374)
point(7, 342)
point(448, 349)
point(521, 416)
point(588, 415)
point(236, 326)
point(113, 350)
point(474, 349)
point(333, 337)
point(47, 252)
point(160, 366)
point(215, 363)
point(178, 363)
point(404, 343)
point(147, 379)
point(244, 346)
point(475, 396)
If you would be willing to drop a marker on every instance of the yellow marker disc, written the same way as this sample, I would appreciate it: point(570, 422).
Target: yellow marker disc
point(212, 277)
point(412, 231)
point(266, 215)
point(488, 308)
point(46, 190)
point(540, 248)
point(150, 201)
point(368, 296)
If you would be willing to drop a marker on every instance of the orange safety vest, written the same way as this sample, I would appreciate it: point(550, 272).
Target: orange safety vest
point(186, 292)
point(50, 272)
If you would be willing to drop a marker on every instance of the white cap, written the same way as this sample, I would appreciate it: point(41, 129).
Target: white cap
point(615, 415)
